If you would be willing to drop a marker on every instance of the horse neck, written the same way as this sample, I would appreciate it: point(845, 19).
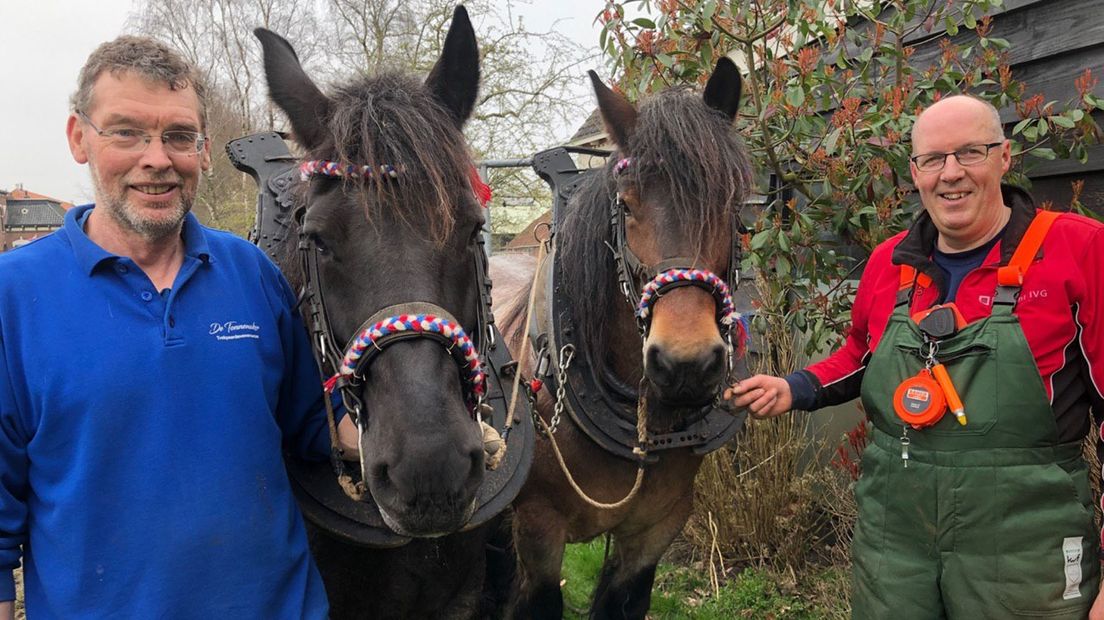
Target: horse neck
point(607, 330)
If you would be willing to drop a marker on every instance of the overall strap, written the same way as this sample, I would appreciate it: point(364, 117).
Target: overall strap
point(1010, 277)
point(909, 277)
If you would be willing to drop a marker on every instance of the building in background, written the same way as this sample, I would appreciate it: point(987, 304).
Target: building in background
point(26, 216)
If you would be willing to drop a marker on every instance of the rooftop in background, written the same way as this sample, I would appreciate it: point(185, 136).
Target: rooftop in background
point(26, 216)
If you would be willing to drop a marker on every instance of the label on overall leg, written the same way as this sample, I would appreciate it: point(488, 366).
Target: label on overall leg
point(1071, 550)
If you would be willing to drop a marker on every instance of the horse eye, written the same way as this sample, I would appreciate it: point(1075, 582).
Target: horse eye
point(320, 245)
point(628, 206)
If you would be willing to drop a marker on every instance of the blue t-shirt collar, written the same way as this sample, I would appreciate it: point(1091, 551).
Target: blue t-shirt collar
point(89, 255)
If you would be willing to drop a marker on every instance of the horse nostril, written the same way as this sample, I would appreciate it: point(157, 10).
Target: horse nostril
point(713, 364)
point(660, 368)
point(379, 472)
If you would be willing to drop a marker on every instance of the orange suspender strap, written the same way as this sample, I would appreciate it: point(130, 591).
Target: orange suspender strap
point(1012, 274)
point(908, 274)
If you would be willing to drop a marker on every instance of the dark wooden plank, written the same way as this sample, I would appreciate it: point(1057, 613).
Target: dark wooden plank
point(1043, 30)
point(1054, 77)
point(1058, 190)
point(938, 29)
point(1041, 168)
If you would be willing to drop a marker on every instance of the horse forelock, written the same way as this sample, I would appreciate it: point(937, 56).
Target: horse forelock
point(692, 155)
point(392, 119)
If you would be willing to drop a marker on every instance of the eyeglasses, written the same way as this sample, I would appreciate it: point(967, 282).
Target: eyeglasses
point(130, 140)
point(969, 155)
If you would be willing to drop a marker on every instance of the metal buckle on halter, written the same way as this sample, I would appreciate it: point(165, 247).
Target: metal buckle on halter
point(491, 342)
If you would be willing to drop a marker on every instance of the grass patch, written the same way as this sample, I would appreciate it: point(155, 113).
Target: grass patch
point(684, 592)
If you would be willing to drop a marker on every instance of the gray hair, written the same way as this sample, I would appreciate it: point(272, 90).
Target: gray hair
point(995, 126)
point(146, 57)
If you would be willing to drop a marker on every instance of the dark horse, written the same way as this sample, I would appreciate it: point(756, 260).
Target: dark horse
point(673, 190)
point(390, 222)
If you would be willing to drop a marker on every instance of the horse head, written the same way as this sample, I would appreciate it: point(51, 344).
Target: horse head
point(679, 175)
point(390, 218)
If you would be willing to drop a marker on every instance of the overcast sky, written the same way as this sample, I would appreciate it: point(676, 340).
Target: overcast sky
point(45, 42)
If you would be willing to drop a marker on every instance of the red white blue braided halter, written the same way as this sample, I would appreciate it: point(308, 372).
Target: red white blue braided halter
point(653, 289)
point(374, 336)
point(474, 377)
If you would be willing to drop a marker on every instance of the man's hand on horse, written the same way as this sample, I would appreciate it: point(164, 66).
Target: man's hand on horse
point(348, 439)
point(763, 396)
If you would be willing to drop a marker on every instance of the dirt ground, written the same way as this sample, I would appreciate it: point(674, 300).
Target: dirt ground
point(19, 614)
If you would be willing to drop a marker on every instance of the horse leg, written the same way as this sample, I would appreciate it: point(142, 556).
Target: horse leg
point(540, 548)
point(501, 568)
point(625, 588)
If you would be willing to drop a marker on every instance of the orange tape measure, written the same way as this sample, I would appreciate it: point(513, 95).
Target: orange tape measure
point(919, 401)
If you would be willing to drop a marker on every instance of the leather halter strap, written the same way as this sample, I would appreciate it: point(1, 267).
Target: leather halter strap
point(329, 356)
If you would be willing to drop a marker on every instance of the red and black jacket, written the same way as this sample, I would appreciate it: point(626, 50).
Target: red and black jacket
point(1060, 308)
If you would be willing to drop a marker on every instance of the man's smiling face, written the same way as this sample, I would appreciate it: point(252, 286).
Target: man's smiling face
point(146, 192)
point(964, 201)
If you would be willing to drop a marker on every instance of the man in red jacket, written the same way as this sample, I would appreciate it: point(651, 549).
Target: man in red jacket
point(974, 500)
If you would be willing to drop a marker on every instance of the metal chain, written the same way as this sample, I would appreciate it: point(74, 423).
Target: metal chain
point(567, 353)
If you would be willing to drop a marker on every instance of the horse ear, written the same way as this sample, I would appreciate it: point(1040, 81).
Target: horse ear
point(292, 91)
point(617, 113)
point(722, 92)
point(454, 80)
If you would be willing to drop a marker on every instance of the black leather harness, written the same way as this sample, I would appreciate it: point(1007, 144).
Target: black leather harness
point(323, 501)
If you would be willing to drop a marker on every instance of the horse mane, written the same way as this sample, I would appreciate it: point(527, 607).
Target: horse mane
point(392, 119)
point(694, 154)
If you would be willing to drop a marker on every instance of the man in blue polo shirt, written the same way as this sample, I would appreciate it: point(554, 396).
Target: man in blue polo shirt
point(151, 372)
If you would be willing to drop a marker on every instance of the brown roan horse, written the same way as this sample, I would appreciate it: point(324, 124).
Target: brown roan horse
point(380, 242)
point(686, 178)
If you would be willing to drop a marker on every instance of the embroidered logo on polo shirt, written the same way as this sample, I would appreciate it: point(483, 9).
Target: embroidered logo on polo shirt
point(232, 330)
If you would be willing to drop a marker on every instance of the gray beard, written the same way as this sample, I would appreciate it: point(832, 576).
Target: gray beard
point(150, 230)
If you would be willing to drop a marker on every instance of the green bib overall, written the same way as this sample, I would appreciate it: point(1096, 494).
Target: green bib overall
point(988, 520)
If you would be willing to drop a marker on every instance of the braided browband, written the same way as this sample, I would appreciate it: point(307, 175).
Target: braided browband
point(720, 291)
point(370, 336)
point(327, 168)
point(621, 165)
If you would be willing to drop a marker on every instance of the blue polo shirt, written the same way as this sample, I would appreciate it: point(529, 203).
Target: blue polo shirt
point(141, 432)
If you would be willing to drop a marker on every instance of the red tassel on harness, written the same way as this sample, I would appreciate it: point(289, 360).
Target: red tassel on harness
point(740, 336)
point(481, 189)
point(330, 384)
